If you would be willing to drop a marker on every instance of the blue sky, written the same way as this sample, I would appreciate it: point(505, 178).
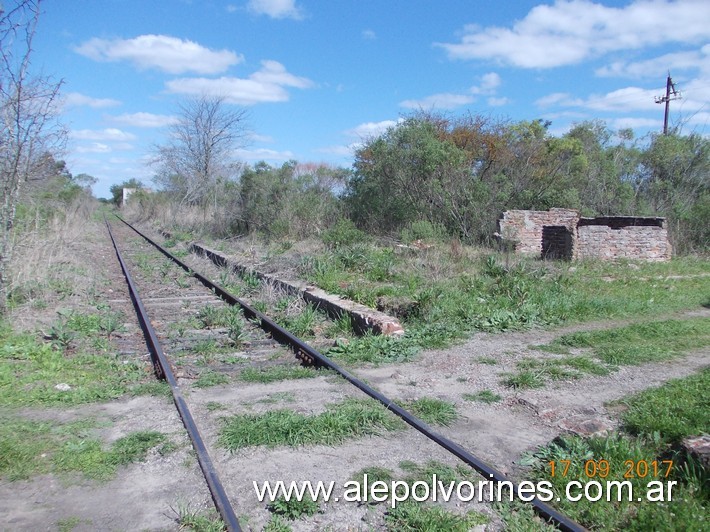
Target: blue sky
point(318, 76)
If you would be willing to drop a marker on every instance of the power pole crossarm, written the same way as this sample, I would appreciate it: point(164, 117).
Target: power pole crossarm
point(671, 94)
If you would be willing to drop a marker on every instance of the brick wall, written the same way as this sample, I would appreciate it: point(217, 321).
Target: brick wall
point(631, 242)
point(562, 233)
point(525, 228)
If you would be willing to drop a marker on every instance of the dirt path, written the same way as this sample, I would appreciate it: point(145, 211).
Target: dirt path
point(502, 431)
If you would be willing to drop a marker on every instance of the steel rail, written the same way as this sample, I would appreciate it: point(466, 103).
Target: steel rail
point(163, 371)
point(544, 510)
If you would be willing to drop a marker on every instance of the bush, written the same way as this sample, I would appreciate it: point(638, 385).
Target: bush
point(343, 234)
point(423, 230)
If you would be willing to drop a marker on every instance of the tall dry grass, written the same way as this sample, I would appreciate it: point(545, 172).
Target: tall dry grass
point(52, 259)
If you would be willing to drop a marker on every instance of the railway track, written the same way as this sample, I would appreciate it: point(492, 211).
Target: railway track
point(246, 335)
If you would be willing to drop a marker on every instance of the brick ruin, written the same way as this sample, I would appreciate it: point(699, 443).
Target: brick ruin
point(564, 234)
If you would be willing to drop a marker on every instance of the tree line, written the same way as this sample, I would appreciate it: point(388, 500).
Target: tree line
point(456, 173)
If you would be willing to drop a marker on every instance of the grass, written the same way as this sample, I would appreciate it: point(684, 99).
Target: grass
point(456, 296)
point(278, 373)
point(301, 323)
point(198, 521)
point(525, 379)
point(276, 524)
point(349, 419)
point(412, 515)
point(433, 411)
point(415, 516)
point(655, 422)
point(484, 396)
point(69, 524)
point(30, 448)
point(278, 397)
point(30, 370)
point(678, 409)
point(375, 349)
point(639, 343)
point(210, 378)
point(293, 509)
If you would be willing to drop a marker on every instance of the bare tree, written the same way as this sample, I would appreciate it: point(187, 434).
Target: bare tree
point(199, 155)
point(28, 114)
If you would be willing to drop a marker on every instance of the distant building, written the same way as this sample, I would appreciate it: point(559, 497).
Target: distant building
point(127, 194)
point(563, 233)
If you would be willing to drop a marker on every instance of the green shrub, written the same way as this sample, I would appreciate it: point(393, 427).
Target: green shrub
point(343, 233)
point(423, 230)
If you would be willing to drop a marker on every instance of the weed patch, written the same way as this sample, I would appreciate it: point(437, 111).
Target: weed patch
point(349, 419)
point(676, 410)
point(525, 379)
point(416, 516)
point(278, 373)
point(210, 378)
point(30, 372)
point(374, 349)
point(433, 411)
point(656, 421)
point(294, 509)
point(487, 295)
point(197, 520)
point(484, 396)
point(29, 447)
point(641, 342)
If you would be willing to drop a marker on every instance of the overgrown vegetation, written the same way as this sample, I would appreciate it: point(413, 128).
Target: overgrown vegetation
point(350, 419)
point(482, 294)
point(634, 344)
point(417, 516)
point(411, 515)
point(654, 424)
point(39, 373)
point(433, 411)
point(30, 448)
point(278, 373)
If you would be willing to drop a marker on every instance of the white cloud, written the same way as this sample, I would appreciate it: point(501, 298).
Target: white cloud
point(657, 66)
point(369, 35)
point(261, 138)
point(169, 54)
point(690, 108)
point(144, 120)
point(263, 154)
point(105, 135)
point(443, 100)
point(265, 85)
point(635, 123)
point(95, 147)
point(498, 102)
point(273, 72)
point(75, 99)
point(489, 83)
point(621, 100)
point(568, 32)
point(371, 129)
point(488, 86)
point(276, 8)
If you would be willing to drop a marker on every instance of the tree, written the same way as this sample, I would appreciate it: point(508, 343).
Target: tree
point(603, 172)
point(198, 158)
point(27, 117)
point(296, 200)
point(675, 183)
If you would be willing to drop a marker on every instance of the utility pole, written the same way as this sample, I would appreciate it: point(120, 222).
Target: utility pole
point(671, 94)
